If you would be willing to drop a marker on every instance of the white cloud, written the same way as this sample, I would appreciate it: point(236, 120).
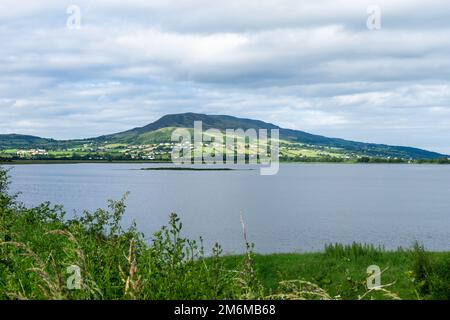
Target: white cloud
point(311, 65)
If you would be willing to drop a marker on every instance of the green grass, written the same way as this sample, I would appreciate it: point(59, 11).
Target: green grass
point(115, 145)
point(39, 244)
point(344, 277)
point(10, 151)
point(341, 270)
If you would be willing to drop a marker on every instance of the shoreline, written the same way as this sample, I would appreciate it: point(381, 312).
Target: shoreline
point(49, 162)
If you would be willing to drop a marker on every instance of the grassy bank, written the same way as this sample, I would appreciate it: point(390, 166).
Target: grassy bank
point(44, 255)
point(341, 271)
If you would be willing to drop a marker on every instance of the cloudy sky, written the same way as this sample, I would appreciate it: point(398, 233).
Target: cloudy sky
point(308, 65)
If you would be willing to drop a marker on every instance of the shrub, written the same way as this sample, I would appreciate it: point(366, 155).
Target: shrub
point(431, 277)
point(421, 269)
point(440, 279)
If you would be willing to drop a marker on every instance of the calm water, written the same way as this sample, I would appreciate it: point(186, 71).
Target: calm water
point(300, 209)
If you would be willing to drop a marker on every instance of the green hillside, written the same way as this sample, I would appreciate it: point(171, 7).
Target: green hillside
point(154, 133)
point(18, 141)
point(295, 143)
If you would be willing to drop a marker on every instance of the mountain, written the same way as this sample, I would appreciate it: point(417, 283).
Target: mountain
point(186, 120)
point(161, 130)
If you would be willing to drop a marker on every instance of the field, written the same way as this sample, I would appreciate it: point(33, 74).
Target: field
point(156, 146)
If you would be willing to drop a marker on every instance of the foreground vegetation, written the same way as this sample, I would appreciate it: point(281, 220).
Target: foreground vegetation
point(41, 252)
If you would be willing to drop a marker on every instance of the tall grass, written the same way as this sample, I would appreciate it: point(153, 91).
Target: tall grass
point(430, 276)
point(114, 263)
point(353, 251)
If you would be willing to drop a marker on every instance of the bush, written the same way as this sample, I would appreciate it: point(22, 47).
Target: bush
point(440, 279)
point(421, 269)
point(431, 276)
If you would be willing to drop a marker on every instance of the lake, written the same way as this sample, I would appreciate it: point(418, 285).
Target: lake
point(302, 208)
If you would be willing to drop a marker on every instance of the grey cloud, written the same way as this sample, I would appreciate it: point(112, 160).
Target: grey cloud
point(309, 65)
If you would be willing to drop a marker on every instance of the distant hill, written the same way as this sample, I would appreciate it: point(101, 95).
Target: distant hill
point(161, 130)
point(20, 141)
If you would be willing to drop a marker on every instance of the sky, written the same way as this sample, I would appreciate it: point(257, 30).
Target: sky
point(308, 65)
